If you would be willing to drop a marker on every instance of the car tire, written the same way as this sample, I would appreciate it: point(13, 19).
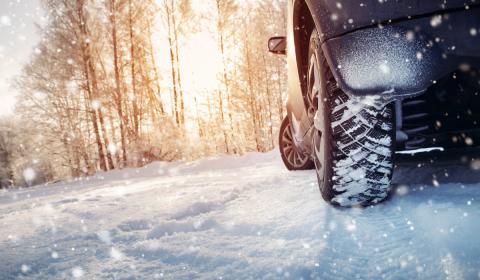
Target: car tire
point(293, 158)
point(353, 142)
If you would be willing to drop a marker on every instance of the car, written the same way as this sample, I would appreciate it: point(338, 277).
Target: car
point(371, 80)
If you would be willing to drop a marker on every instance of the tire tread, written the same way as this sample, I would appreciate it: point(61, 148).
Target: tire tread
point(362, 147)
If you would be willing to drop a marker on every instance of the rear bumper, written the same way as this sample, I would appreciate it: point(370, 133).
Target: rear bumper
point(405, 58)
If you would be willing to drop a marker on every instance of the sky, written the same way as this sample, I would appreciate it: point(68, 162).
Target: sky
point(18, 37)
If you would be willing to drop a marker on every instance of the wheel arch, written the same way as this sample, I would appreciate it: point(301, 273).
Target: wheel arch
point(303, 25)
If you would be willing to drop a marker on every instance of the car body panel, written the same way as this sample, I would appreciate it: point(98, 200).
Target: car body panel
point(295, 102)
point(339, 17)
point(405, 58)
point(397, 59)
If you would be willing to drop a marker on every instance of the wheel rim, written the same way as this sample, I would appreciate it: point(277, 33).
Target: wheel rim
point(294, 157)
point(314, 82)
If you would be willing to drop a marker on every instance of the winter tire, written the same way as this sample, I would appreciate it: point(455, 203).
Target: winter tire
point(353, 139)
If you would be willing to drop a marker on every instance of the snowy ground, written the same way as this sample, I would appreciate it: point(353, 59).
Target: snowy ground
point(239, 218)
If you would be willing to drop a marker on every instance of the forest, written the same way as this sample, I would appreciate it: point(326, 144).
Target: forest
point(114, 84)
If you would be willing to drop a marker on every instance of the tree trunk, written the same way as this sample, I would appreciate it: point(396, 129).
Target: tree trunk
point(90, 75)
point(132, 69)
point(106, 139)
point(155, 69)
point(90, 94)
point(225, 79)
point(252, 99)
point(172, 62)
point(118, 93)
point(267, 88)
point(96, 130)
point(280, 94)
point(177, 61)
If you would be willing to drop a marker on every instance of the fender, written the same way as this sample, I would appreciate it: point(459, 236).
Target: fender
point(381, 48)
point(335, 18)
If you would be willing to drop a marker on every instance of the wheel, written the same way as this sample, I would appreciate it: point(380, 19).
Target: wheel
point(292, 157)
point(353, 142)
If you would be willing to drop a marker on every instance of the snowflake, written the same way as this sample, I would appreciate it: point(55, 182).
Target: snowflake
point(112, 148)
point(436, 21)
point(473, 32)
point(5, 21)
point(77, 272)
point(402, 190)
point(96, 104)
point(29, 174)
point(116, 254)
point(25, 268)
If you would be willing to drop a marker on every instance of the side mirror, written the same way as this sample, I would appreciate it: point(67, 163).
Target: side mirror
point(277, 45)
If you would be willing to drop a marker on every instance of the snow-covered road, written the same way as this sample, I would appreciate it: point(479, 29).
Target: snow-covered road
point(239, 218)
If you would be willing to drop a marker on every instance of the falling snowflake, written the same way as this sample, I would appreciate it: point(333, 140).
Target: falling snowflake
point(116, 254)
point(96, 104)
point(475, 165)
point(105, 237)
point(54, 255)
point(29, 175)
point(473, 31)
point(410, 36)
point(385, 68)
point(402, 190)
point(436, 21)
point(351, 226)
point(112, 148)
point(5, 21)
point(77, 272)
point(25, 268)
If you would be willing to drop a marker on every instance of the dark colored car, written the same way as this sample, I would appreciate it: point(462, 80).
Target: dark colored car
point(374, 78)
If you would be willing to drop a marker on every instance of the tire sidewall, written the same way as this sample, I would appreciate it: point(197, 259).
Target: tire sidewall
point(325, 185)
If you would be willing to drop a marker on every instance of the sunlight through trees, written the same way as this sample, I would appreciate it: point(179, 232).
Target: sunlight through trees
point(122, 83)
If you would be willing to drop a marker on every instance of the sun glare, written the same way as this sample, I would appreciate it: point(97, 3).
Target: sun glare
point(204, 62)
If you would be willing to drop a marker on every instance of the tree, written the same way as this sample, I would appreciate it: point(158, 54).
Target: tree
point(92, 93)
point(8, 136)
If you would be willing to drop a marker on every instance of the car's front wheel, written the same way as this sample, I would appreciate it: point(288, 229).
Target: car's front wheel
point(353, 142)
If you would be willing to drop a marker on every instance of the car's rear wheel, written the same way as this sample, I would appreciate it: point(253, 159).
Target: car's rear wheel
point(292, 156)
point(353, 142)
